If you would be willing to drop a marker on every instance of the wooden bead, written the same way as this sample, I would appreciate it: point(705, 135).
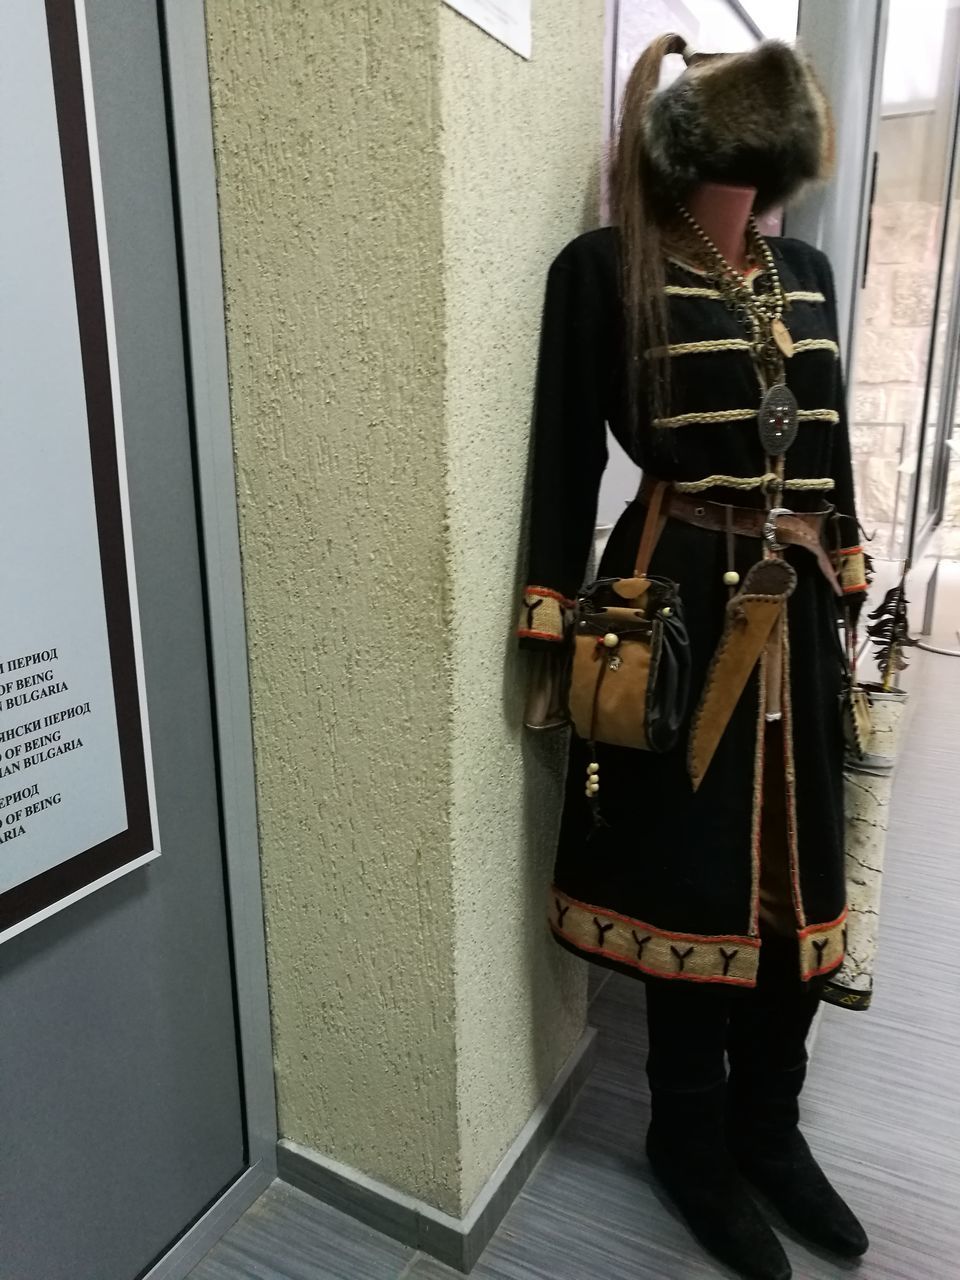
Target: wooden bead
point(731, 578)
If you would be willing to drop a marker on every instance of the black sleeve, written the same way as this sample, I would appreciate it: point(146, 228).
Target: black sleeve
point(848, 549)
point(569, 445)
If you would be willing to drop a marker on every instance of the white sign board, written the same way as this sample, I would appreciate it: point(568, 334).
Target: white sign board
point(506, 20)
point(76, 795)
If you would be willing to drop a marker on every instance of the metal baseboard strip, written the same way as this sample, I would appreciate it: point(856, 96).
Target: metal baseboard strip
point(458, 1242)
point(197, 1242)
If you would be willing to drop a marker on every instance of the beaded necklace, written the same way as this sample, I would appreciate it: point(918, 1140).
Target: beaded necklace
point(770, 339)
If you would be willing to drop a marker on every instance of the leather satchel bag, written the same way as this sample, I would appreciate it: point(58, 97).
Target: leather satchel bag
point(629, 670)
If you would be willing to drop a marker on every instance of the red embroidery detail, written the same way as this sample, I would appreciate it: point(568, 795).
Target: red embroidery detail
point(662, 933)
point(656, 973)
point(822, 928)
point(539, 635)
point(551, 595)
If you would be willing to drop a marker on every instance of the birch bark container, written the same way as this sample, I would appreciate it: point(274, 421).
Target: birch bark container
point(868, 784)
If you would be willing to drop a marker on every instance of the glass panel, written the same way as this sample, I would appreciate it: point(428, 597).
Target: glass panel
point(950, 529)
point(933, 445)
point(897, 317)
point(710, 25)
point(777, 19)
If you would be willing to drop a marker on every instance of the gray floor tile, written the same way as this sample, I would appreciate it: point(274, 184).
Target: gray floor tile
point(287, 1235)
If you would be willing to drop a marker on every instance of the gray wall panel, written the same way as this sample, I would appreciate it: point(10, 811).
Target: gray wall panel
point(119, 1087)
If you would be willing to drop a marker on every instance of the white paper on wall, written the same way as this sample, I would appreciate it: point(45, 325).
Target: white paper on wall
point(506, 20)
point(77, 805)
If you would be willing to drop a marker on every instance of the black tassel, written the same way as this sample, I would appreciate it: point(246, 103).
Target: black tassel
point(890, 632)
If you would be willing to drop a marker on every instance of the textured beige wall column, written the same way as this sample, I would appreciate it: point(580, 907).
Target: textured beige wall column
point(393, 184)
point(521, 150)
point(326, 118)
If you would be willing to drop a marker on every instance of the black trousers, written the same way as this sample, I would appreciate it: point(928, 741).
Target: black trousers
point(694, 1027)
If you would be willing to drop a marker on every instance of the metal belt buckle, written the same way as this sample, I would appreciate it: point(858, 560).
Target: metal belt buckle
point(770, 527)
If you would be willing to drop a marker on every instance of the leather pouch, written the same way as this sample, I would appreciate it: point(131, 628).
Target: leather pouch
point(630, 667)
point(629, 671)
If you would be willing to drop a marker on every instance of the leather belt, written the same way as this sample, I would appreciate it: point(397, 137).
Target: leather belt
point(778, 527)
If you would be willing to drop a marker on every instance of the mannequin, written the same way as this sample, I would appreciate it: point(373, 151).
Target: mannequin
point(723, 210)
point(717, 879)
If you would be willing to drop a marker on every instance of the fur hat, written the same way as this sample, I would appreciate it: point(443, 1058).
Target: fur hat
point(756, 119)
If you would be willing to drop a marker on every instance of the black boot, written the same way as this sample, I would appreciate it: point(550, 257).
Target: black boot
point(686, 1144)
point(768, 1064)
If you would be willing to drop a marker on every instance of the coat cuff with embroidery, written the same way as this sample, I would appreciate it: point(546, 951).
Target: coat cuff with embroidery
point(852, 570)
point(543, 616)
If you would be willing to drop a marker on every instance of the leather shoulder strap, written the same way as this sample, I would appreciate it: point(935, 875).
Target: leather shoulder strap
point(652, 529)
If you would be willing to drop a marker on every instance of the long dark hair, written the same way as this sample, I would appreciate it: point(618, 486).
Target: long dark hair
point(640, 212)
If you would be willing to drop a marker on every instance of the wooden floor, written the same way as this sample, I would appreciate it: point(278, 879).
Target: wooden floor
point(882, 1108)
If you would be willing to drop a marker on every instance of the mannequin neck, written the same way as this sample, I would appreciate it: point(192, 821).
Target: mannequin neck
point(723, 212)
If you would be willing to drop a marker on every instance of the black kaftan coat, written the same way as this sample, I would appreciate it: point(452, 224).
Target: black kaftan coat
point(669, 885)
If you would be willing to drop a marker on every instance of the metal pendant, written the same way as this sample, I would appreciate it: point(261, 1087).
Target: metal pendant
point(782, 337)
point(778, 420)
